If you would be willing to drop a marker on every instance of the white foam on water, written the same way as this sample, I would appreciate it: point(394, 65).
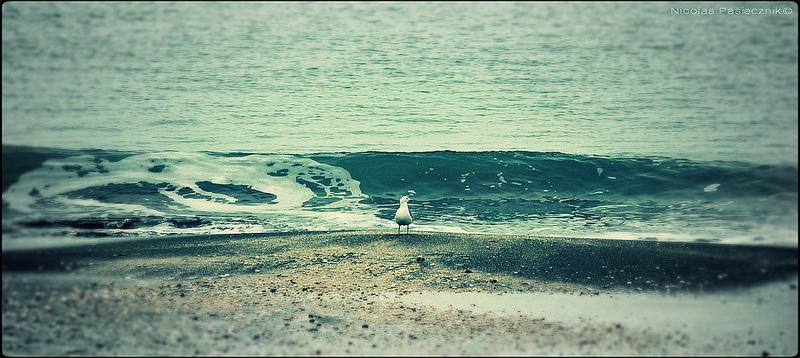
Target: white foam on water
point(184, 170)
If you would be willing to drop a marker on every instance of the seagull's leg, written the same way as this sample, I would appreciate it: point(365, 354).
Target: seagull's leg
point(398, 229)
point(408, 227)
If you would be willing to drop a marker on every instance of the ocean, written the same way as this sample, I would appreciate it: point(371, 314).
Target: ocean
point(616, 120)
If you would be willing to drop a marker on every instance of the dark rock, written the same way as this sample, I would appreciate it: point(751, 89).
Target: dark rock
point(493, 281)
point(420, 259)
point(467, 271)
point(365, 326)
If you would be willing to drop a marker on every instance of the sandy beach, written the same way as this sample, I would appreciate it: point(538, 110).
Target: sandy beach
point(377, 293)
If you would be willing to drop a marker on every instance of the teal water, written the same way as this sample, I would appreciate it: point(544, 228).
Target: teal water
point(591, 78)
point(621, 120)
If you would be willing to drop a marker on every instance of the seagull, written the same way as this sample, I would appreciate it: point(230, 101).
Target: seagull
point(403, 216)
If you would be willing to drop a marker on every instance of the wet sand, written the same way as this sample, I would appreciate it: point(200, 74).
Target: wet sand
point(379, 293)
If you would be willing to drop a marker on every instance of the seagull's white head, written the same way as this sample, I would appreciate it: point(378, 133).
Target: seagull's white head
point(403, 199)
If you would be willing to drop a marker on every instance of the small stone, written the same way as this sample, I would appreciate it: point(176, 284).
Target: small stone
point(420, 259)
point(365, 326)
point(493, 281)
point(467, 271)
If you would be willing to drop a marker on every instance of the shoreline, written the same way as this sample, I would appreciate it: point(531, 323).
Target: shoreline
point(313, 293)
point(598, 263)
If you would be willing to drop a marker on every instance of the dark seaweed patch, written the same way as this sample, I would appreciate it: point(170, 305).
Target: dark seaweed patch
point(112, 157)
point(75, 168)
point(92, 234)
point(156, 168)
point(379, 201)
point(244, 194)
point(142, 193)
point(337, 190)
point(184, 223)
point(279, 173)
point(187, 192)
point(321, 179)
point(96, 223)
point(315, 201)
point(315, 188)
point(229, 155)
point(82, 172)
